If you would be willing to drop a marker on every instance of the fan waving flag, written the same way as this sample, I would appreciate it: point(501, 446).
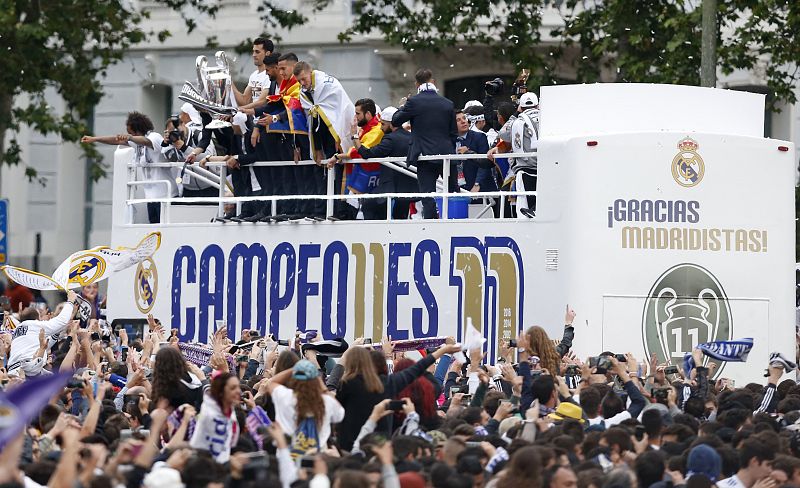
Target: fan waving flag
point(86, 267)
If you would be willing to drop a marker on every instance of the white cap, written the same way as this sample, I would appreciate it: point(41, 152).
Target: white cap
point(528, 100)
point(472, 103)
point(192, 112)
point(163, 477)
point(388, 113)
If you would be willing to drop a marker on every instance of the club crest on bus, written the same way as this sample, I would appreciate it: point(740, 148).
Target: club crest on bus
point(145, 286)
point(686, 306)
point(687, 166)
point(88, 269)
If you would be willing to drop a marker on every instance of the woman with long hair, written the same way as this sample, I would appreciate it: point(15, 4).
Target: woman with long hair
point(303, 408)
point(537, 343)
point(362, 387)
point(524, 469)
point(217, 428)
point(422, 394)
point(173, 380)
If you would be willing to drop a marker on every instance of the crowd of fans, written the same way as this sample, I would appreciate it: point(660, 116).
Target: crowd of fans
point(292, 112)
point(133, 411)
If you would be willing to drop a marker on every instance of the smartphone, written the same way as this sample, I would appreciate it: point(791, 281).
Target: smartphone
point(125, 434)
point(671, 370)
point(103, 368)
point(515, 409)
point(454, 390)
point(466, 399)
point(512, 343)
point(307, 463)
point(396, 405)
point(368, 340)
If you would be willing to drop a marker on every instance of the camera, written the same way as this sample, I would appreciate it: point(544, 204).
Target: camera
point(512, 343)
point(396, 405)
point(661, 394)
point(494, 87)
point(671, 370)
point(601, 363)
point(175, 136)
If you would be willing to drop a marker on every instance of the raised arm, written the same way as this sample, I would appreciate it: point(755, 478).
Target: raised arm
point(569, 333)
point(398, 381)
point(60, 321)
point(111, 140)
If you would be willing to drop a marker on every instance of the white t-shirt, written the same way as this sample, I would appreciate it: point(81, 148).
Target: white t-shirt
point(732, 482)
point(258, 82)
point(143, 157)
point(286, 412)
point(25, 338)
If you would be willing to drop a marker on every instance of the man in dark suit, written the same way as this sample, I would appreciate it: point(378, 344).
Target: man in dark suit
point(395, 143)
point(433, 131)
point(473, 174)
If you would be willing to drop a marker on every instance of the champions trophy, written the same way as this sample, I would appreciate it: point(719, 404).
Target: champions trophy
point(214, 87)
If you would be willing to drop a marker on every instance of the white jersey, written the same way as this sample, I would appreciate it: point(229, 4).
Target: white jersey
point(25, 339)
point(258, 82)
point(732, 482)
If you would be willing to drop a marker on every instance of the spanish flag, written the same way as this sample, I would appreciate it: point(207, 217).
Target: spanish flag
point(288, 101)
point(360, 175)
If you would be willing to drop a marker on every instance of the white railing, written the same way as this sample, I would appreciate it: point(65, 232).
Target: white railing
point(396, 163)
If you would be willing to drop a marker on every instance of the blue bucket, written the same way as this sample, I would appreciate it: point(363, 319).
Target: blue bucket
point(457, 207)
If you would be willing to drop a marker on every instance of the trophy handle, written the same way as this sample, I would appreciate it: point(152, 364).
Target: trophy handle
point(222, 60)
point(201, 63)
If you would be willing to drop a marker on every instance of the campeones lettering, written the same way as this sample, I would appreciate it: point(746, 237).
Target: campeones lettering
point(363, 289)
point(678, 238)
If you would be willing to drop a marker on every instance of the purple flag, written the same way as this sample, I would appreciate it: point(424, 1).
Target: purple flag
point(20, 405)
point(255, 419)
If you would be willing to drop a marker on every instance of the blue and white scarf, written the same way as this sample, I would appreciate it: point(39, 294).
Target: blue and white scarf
point(731, 351)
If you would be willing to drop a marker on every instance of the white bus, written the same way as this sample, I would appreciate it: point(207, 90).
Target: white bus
point(664, 218)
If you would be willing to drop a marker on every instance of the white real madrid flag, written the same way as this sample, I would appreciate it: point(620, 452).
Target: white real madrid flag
point(86, 267)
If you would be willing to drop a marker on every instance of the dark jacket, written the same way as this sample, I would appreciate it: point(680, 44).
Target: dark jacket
point(433, 124)
point(392, 145)
point(358, 402)
point(480, 171)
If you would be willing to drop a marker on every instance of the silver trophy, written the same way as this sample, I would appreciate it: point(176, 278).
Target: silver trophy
point(213, 89)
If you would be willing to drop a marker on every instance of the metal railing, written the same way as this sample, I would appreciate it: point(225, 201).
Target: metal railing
point(395, 163)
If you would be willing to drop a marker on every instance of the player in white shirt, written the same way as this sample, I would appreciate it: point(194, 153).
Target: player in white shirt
point(259, 81)
point(25, 339)
point(146, 143)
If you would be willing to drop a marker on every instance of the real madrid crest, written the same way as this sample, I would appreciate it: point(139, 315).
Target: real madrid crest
point(687, 166)
point(88, 269)
point(145, 286)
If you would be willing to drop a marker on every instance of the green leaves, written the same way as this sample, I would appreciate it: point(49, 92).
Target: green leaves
point(67, 45)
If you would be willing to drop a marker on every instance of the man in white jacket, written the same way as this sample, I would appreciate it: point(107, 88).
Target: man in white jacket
point(25, 340)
